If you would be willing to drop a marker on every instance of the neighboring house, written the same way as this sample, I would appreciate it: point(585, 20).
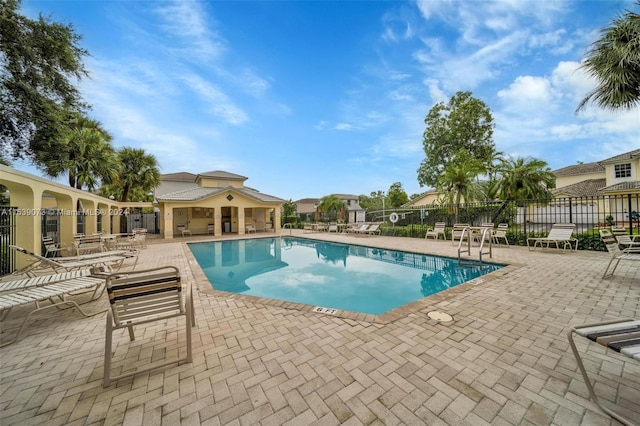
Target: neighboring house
point(428, 198)
point(307, 208)
point(214, 202)
point(613, 176)
point(612, 181)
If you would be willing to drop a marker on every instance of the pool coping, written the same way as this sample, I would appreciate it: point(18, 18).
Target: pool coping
point(204, 287)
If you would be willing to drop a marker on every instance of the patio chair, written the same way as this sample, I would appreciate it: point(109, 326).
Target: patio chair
point(23, 283)
point(250, 229)
point(436, 231)
point(333, 228)
point(56, 293)
point(43, 263)
point(500, 233)
point(616, 253)
point(184, 229)
point(373, 229)
point(560, 234)
point(52, 248)
point(358, 228)
point(622, 336)
point(142, 297)
point(630, 244)
point(458, 231)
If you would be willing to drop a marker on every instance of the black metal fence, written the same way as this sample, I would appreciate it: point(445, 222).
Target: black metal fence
point(7, 237)
point(526, 218)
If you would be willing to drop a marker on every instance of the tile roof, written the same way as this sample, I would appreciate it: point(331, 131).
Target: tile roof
point(180, 176)
point(621, 157)
point(623, 186)
point(219, 174)
point(579, 169)
point(586, 188)
point(194, 194)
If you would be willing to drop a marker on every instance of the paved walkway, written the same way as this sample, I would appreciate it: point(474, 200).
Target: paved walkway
point(504, 360)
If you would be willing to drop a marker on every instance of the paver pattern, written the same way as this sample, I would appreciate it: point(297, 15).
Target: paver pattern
point(504, 360)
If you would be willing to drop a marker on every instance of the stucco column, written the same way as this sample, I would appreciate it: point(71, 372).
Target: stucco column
point(167, 223)
point(68, 219)
point(28, 219)
point(241, 228)
point(217, 221)
point(276, 219)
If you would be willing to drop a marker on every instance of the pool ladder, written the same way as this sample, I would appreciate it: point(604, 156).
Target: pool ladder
point(285, 227)
point(485, 236)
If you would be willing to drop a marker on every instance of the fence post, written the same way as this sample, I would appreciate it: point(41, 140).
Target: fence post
point(570, 210)
point(630, 209)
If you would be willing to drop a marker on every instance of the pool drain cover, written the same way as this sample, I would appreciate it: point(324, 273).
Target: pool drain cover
point(440, 316)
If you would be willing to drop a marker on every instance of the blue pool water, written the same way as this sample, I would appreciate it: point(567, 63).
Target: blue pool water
point(319, 273)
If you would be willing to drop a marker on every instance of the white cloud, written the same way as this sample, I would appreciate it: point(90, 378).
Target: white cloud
point(186, 21)
point(218, 101)
point(526, 90)
point(344, 126)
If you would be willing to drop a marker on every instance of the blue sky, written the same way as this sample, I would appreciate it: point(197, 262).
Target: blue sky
point(309, 98)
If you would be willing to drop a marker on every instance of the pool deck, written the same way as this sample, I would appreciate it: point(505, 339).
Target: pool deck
point(503, 360)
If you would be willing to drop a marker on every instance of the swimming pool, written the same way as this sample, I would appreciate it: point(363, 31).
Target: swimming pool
point(332, 275)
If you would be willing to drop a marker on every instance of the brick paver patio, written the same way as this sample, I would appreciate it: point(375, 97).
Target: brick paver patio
point(504, 360)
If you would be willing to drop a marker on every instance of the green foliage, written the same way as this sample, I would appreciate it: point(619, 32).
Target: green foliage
point(40, 61)
point(396, 196)
point(332, 207)
point(289, 208)
point(609, 220)
point(614, 61)
point(465, 123)
point(84, 153)
point(523, 179)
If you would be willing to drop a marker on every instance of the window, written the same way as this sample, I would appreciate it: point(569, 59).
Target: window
point(622, 170)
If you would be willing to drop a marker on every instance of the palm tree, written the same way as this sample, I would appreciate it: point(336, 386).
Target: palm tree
point(614, 61)
point(86, 155)
point(524, 179)
point(332, 204)
point(459, 179)
point(138, 172)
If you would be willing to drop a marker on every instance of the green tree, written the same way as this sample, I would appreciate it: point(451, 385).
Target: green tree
point(373, 201)
point(459, 179)
point(464, 123)
point(332, 206)
point(289, 208)
point(396, 196)
point(614, 61)
point(39, 62)
point(138, 171)
point(524, 179)
point(84, 153)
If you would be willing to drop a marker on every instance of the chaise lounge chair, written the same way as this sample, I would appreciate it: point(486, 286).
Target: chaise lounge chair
point(560, 234)
point(40, 263)
point(616, 253)
point(622, 336)
point(55, 293)
point(436, 231)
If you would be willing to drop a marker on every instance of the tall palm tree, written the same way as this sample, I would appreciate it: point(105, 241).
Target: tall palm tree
point(459, 179)
point(85, 154)
point(614, 61)
point(524, 179)
point(138, 171)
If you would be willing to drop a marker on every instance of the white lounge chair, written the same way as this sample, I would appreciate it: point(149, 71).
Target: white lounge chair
point(40, 263)
point(560, 234)
point(141, 297)
point(359, 228)
point(250, 228)
point(629, 243)
point(55, 293)
point(616, 253)
point(437, 230)
point(373, 229)
point(622, 336)
point(41, 280)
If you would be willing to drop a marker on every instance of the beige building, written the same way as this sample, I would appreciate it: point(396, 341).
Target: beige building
point(215, 202)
